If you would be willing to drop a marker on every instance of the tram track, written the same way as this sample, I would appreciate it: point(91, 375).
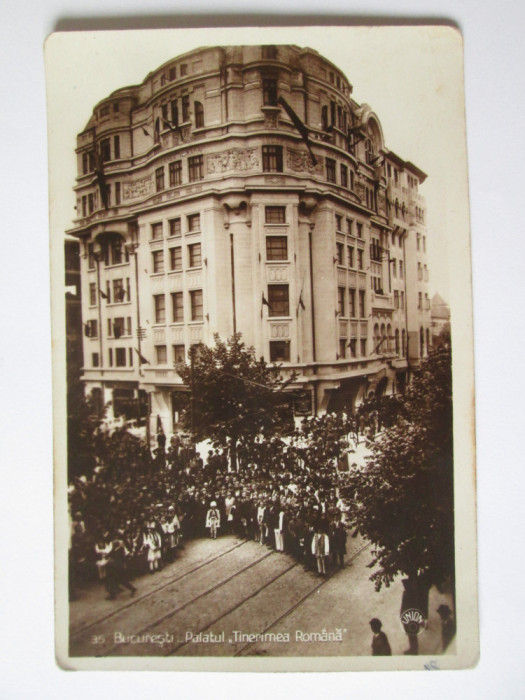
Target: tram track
point(82, 630)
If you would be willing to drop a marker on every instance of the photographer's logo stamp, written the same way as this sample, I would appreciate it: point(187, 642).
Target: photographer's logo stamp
point(412, 621)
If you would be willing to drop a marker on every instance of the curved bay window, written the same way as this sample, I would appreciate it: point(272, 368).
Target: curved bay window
point(269, 85)
point(199, 114)
point(272, 157)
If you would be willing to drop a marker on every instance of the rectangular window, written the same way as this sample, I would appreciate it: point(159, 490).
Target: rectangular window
point(175, 172)
point(344, 176)
point(342, 348)
point(164, 111)
point(186, 108)
point(175, 227)
point(85, 163)
point(279, 351)
point(396, 299)
point(194, 223)
point(351, 302)
point(116, 147)
point(330, 170)
point(128, 289)
point(269, 91)
point(128, 325)
point(84, 205)
point(420, 300)
point(350, 227)
point(341, 301)
point(360, 230)
point(402, 299)
point(195, 255)
point(183, 70)
point(197, 313)
point(340, 253)
point(92, 329)
point(275, 215)
point(419, 272)
point(177, 307)
point(278, 300)
point(161, 353)
point(159, 179)
point(401, 271)
point(117, 193)
point(160, 308)
point(424, 244)
point(394, 267)
point(362, 303)
point(195, 168)
point(179, 354)
point(110, 353)
point(130, 353)
point(116, 253)
point(156, 232)
point(119, 327)
point(105, 149)
point(119, 293)
point(272, 157)
point(108, 292)
point(351, 255)
point(158, 260)
point(269, 51)
point(198, 111)
point(91, 257)
point(94, 359)
point(91, 203)
point(363, 347)
point(360, 259)
point(174, 113)
point(176, 259)
point(120, 357)
point(353, 347)
point(339, 222)
point(276, 248)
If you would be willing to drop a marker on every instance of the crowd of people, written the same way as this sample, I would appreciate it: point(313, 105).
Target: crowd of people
point(126, 524)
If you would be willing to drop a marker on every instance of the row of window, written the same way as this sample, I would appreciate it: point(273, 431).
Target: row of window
point(195, 172)
point(352, 260)
point(172, 73)
point(177, 306)
point(348, 348)
point(117, 291)
point(352, 309)
point(194, 258)
point(117, 327)
point(339, 219)
point(117, 357)
point(422, 272)
point(107, 153)
point(420, 301)
point(421, 242)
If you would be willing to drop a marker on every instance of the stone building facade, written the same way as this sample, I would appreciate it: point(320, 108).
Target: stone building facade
point(243, 190)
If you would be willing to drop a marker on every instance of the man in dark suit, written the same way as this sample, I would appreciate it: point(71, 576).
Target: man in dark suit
point(380, 644)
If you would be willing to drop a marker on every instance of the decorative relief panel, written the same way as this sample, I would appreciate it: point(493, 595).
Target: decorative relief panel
point(194, 279)
point(343, 329)
point(381, 201)
point(362, 280)
point(274, 179)
point(156, 245)
point(271, 121)
point(364, 328)
point(177, 335)
point(354, 328)
point(352, 279)
point(341, 276)
point(301, 162)
point(195, 333)
point(137, 188)
point(191, 189)
point(277, 273)
point(279, 330)
point(233, 159)
point(175, 282)
point(360, 189)
point(159, 335)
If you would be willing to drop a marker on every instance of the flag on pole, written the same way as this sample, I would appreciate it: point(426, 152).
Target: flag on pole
point(301, 128)
point(142, 359)
point(103, 294)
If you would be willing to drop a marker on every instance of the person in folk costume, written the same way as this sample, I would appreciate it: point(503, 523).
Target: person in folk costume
point(261, 527)
point(117, 574)
point(281, 526)
point(229, 511)
point(102, 550)
point(168, 536)
point(213, 519)
point(321, 549)
point(380, 643)
point(339, 543)
point(174, 518)
point(152, 542)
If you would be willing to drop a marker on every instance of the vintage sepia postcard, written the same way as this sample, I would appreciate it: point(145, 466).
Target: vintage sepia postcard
point(263, 359)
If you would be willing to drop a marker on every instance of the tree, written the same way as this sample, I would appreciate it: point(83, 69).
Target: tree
point(404, 500)
point(321, 441)
point(236, 397)
point(84, 440)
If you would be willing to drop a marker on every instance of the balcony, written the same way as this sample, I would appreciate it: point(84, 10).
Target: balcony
point(382, 302)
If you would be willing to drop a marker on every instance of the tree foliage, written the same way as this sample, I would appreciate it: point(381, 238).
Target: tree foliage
point(236, 395)
point(321, 441)
point(404, 496)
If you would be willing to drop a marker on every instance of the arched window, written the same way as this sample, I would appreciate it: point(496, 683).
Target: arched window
point(157, 130)
point(389, 338)
point(377, 338)
point(199, 114)
point(403, 343)
point(428, 339)
point(369, 151)
point(383, 346)
point(397, 341)
point(422, 341)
